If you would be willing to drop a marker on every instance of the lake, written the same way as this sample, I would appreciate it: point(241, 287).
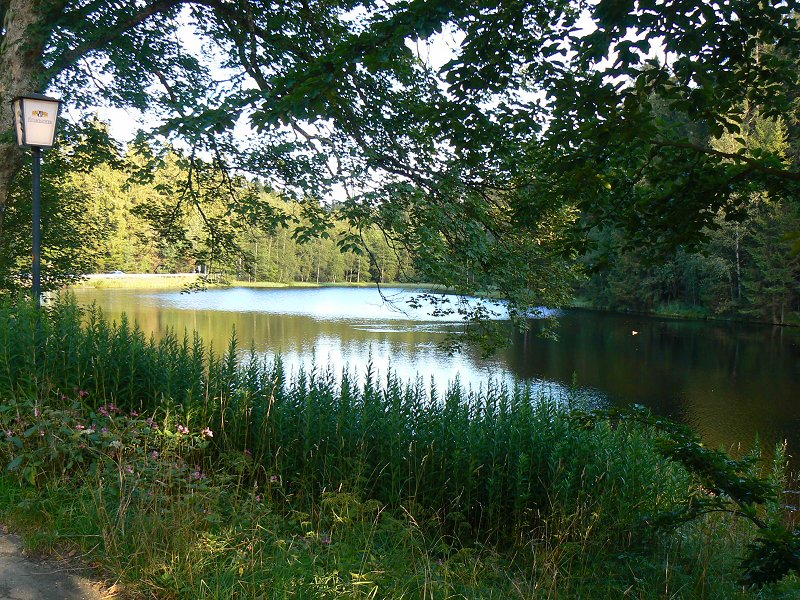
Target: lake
point(729, 381)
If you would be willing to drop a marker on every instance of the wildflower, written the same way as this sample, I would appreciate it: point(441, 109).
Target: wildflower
point(182, 429)
point(41, 433)
point(115, 444)
point(198, 475)
point(325, 539)
point(64, 397)
point(207, 433)
point(274, 479)
point(103, 411)
point(258, 498)
point(83, 393)
point(9, 433)
point(37, 412)
point(104, 430)
point(154, 455)
point(151, 421)
point(129, 470)
point(134, 413)
point(80, 427)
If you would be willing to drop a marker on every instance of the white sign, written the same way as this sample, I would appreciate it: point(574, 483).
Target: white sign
point(40, 122)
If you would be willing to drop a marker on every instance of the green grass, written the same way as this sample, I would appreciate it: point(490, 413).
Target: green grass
point(174, 282)
point(323, 487)
point(138, 281)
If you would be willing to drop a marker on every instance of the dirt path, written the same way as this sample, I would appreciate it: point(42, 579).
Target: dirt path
point(23, 578)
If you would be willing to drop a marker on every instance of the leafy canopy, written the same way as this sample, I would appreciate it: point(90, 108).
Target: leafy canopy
point(547, 122)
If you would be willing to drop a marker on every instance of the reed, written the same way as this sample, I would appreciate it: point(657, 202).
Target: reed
point(213, 470)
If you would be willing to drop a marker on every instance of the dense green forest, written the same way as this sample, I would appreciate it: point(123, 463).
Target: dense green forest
point(141, 212)
point(746, 265)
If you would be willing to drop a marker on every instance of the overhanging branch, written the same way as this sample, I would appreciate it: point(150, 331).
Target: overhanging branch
point(754, 164)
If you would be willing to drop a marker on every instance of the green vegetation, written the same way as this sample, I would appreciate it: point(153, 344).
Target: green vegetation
point(128, 212)
point(622, 124)
point(745, 266)
point(189, 476)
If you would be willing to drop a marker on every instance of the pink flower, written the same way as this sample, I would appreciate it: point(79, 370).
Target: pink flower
point(325, 539)
point(134, 413)
point(83, 393)
point(129, 470)
point(207, 433)
point(182, 429)
point(154, 455)
point(274, 479)
point(80, 427)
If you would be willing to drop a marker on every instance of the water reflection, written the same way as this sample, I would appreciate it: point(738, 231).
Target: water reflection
point(728, 381)
point(334, 328)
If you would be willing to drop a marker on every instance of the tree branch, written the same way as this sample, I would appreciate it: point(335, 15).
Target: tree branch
point(123, 25)
point(751, 162)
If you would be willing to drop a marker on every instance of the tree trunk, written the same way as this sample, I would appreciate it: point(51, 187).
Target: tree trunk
point(21, 72)
point(738, 268)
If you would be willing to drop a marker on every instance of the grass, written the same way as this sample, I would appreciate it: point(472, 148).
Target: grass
point(181, 281)
point(138, 281)
point(189, 475)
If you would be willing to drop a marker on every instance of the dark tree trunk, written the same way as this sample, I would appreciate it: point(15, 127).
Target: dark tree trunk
point(21, 72)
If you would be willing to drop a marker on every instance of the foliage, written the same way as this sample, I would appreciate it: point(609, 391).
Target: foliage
point(92, 401)
point(747, 267)
point(491, 167)
point(720, 484)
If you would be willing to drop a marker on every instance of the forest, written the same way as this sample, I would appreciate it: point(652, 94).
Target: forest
point(747, 267)
point(129, 211)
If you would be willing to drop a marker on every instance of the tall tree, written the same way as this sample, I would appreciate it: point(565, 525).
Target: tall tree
point(476, 165)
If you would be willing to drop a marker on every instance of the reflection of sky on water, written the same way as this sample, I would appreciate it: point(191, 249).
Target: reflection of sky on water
point(363, 304)
point(409, 363)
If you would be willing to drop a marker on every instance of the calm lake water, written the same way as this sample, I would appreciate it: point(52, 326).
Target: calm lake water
point(729, 381)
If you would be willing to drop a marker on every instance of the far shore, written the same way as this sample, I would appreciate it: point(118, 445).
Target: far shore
point(176, 281)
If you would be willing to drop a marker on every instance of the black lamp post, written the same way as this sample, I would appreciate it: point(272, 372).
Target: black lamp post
point(35, 118)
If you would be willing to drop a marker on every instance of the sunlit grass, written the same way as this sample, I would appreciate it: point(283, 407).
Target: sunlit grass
point(134, 281)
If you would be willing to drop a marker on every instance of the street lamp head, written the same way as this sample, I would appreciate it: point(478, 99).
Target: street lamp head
point(35, 120)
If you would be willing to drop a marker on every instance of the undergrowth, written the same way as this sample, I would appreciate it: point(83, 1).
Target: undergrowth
point(191, 474)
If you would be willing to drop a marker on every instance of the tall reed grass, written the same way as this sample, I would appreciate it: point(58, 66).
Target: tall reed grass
point(197, 472)
point(497, 463)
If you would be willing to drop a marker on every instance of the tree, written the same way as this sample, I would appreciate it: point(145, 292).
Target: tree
point(476, 167)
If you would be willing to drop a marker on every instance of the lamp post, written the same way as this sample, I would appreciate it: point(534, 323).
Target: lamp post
point(35, 119)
